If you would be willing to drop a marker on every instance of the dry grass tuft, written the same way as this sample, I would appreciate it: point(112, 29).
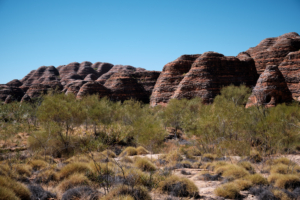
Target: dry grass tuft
point(139, 192)
point(285, 181)
point(129, 151)
point(76, 167)
point(228, 190)
point(145, 164)
point(176, 186)
point(186, 164)
point(141, 151)
point(73, 181)
point(174, 157)
point(208, 157)
point(247, 166)
point(243, 184)
point(38, 164)
point(126, 159)
point(7, 194)
point(19, 189)
point(23, 169)
point(81, 158)
point(109, 153)
point(123, 197)
point(47, 176)
point(257, 179)
point(232, 171)
point(255, 156)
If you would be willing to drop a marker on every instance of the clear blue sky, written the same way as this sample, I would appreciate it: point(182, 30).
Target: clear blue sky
point(141, 33)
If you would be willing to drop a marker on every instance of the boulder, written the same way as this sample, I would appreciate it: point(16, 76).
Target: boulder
point(270, 89)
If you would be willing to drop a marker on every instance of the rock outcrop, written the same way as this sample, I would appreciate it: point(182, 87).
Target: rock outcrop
point(124, 86)
point(14, 83)
point(15, 92)
point(290, 69)
point(212, 71)
point(86, 69)
point(93, 87)
point(115, 69)
point(270, 90)
point(272, 51)
point(102, 68)
point(170, 78)
point(74, 87)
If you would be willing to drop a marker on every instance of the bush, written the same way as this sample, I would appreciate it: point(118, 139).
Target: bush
point(19, 189)
point(7, 194)
point(38, 164)
point(145, 164)
point(139, 193)
point(83, 192)
point(129, 151)
point(141, 150)
point(75, 167)
point(109, 153)
point(228, 190)
point(74, 180)
point(180, 187)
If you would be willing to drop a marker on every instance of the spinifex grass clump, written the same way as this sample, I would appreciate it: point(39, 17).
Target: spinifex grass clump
point(109, 153)
point(76, 167)
point(180, 187)
point(20, 190)
point(285, 181)
point(74, 180)
point(129, 151)
point(228, 190)
point(145, 164)
point(232, 171)
point(38, 164)
point(138, 192)
point(248, 166)
point(141, 151)
point(47, 176)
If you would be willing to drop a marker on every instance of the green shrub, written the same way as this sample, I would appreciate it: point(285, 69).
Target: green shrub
point(181, 187)
point(129, 151)
point(228, 190)
point(145, 164)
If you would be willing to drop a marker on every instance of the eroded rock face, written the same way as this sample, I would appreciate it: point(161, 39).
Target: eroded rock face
point(26, 98)
point(270, 90)
point(117, 68)
point(212, 71)
point(90, 77)
point(27, 76)
point(74, 87)
point(86, 69)
point(290, 69)
point(272, 51)
point(170, 78)
point(124, 86)
point(70, 78)
point(15, 92)
point(14, 83)
point(38, 90)
point(147, 79)
point(92, 87)
point(71, 68)
point(37, 74)
point(102, 68)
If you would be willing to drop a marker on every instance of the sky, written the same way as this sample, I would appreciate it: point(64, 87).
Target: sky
point(141, 33)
